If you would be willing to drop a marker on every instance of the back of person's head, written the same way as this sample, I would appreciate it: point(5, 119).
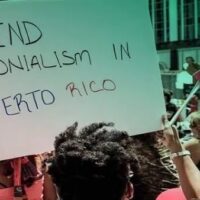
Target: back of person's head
point(93, 164)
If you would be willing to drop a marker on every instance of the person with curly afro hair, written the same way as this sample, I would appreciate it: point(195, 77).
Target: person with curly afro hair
point(95, 163)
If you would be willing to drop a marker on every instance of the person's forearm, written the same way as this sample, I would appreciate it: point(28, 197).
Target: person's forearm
point(189, 176)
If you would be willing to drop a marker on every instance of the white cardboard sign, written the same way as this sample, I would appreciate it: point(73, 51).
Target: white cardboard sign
point(74, 60)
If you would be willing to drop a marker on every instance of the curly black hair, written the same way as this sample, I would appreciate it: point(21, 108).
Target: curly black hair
point(92, 163)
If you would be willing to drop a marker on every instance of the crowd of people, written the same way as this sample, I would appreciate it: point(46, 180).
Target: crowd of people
point(98, 163)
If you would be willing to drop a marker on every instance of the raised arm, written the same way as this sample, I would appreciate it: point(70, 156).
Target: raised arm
point(189, 174)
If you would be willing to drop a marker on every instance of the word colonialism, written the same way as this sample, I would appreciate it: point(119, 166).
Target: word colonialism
point(39, 62)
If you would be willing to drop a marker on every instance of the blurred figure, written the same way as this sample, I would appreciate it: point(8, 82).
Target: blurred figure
point(193, 104)
point(191, 67)
point(170, 107)
point(24, 179)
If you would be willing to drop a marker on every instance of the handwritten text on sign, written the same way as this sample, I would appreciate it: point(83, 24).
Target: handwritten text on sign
point(21, 102)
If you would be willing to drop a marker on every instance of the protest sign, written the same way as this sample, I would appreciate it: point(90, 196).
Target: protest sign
point(73, 60)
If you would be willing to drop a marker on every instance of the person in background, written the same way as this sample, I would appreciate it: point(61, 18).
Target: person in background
point(193, 104)
point(170, 107)
point(24, 179)
point(193, 143)
point(191, 67)
point(191, 63)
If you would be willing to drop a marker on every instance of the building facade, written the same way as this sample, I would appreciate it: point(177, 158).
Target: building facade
point(176, 26)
